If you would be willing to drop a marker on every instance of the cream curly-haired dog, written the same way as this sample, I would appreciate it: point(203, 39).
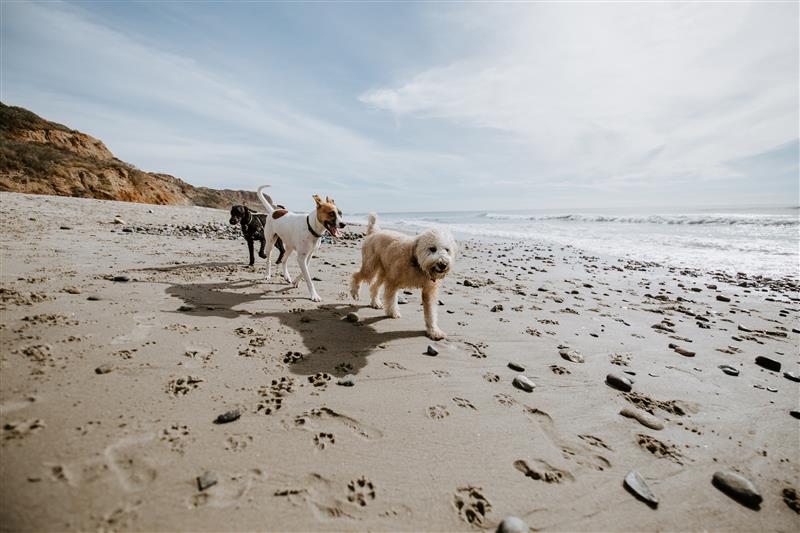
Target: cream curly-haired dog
point(398, 261)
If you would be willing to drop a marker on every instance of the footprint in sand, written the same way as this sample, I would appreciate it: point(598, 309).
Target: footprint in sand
point(466, 404)
point(437, 412)
point(441, 373)
point(394, 366)
point(176, 435)
point(320, 379)
point(659, 449)
point(594, 441)
point(360, 491)
point(229, 490)
point(324, 416)
point(238, 442)
point(505, 399)
point(543, 471)
point(471, 505)
point(182, 386)
point(322, 440)
point(491, 377)
point(319, 494)
point(130, 461)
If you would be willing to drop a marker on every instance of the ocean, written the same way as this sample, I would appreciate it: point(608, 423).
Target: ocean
point(756, 241)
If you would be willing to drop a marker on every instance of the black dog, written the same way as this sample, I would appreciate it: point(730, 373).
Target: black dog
point(253, 230)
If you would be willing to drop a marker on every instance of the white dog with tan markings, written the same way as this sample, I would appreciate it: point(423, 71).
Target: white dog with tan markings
point(396, 261)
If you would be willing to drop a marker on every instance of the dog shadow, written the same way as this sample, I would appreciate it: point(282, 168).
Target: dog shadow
point(334, 345)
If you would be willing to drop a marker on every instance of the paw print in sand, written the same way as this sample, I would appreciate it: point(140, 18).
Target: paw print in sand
point(323, 440)
point(360, 491)
point(437, 412)
point(293, 357)
point(320, 379)
point(471, 505)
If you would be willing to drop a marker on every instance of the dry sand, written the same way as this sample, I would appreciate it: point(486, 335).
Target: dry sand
point(419, 442)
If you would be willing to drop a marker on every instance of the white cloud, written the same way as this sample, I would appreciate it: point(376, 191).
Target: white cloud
point(619, 92)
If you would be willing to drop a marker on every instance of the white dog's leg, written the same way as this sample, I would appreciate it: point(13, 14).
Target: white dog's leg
point(390, 301)
point(270, 243)
point(429, 301)
point(303, 262)
point(286, 256)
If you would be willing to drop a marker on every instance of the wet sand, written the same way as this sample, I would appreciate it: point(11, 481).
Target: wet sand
point(110, 389)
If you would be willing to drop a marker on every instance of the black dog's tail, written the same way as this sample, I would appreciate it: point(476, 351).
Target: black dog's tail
point(265, 199)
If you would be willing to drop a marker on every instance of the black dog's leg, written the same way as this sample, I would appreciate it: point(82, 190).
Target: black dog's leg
point(261, 253)
point(281, 249)
point(250, 249)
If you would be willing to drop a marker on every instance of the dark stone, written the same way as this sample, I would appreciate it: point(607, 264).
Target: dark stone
point(351, 317)
point(769, 364)
point(121, 278)
point(208, 479)
point(468, 283)
point(795, 414)
point(791, 376)
point(619, 382)
point(185, 308)
point(431, 351)
point(516, 366)
point(496, 308)
point(228, 416)
point(103, 369)
point(728, 369)
point(722, 298)
point(94, 298)
point(737, 487)
point(65, 227)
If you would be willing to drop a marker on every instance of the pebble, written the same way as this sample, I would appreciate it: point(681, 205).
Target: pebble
point(64, 227)
point(103, 369)
point(352, 317)
point(636, 484)
point(682, 351)
point(769, 364)
point(644, 418)
point(402, 301)
point(185, 308)
point(431, 351)
point(746, 330)
point(516, 366)
point(121, 278)
point(118, 220)
point(791, 376)
point(571, 355)
point(94, 298)
point(496, 308)
point(619, 382)
point(728, 369)
point(228, 416)
point(737, 487)
point(468, 283)
point(795, 414)
point(347, 381)
point(722, 298)
point(72, 290)
point(523, 383)
point(512, 524)
point(208, 479)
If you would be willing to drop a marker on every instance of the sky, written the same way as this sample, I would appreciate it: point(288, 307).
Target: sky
point(428, 106)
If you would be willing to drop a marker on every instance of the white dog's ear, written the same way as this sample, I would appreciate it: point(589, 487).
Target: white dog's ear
point(330, 200)
point(317, 199)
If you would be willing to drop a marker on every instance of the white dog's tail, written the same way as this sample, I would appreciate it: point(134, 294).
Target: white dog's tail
point(372, 225)
point(266, 200)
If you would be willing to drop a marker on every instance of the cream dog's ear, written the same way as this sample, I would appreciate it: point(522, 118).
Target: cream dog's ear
point(317, 199)
point(330, 200)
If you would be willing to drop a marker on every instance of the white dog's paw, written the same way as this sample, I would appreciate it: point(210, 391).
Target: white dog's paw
point(315, 297)
point(295, 283)
point(436, 334)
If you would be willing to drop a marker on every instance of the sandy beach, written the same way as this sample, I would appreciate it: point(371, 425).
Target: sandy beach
point(123, 342)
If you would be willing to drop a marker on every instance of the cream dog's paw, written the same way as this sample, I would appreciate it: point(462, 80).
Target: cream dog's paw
point(436, 334)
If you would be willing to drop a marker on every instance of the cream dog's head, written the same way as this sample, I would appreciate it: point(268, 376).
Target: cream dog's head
point(435, 251)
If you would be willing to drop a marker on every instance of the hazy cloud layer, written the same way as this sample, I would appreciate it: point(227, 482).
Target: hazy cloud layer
point(429, 107)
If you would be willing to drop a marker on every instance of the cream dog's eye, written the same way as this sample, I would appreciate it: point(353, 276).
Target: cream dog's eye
point(432, 248)
point(447, 250)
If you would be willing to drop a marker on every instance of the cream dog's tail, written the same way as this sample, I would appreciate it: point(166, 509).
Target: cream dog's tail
point(372, 225)
point(266, 200)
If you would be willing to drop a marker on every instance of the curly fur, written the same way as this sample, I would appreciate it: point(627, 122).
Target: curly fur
point(395, 261)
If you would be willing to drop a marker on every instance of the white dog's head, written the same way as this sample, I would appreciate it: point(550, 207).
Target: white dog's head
point(435, 251)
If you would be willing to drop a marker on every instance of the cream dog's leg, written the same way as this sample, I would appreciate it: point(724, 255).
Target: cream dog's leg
point(429, 302)
point(390, 301)
point(373, 293)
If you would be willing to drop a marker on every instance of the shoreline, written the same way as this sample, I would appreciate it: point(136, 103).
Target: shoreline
point(108, 404)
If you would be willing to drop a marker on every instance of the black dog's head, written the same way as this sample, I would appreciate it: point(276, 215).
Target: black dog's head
point(239, 212)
